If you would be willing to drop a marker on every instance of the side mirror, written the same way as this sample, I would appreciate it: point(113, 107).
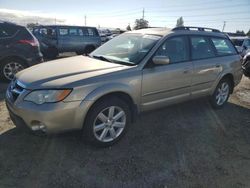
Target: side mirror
point(161, 60)
point(244, 47)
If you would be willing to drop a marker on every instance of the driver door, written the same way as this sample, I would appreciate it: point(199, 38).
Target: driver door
point(170, 83)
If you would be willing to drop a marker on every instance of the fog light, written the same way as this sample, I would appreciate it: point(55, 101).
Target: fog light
point(37, 126)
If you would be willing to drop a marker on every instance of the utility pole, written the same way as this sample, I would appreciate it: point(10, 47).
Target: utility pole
point(85, 20)
point(224, 25)
point(143, 11)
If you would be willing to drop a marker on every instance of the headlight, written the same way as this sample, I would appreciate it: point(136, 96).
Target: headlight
point(47, 96)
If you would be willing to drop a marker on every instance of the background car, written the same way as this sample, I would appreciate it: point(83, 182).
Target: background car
point(246, 64)
point(242, 44)
point(18, 49)
point(55, 39)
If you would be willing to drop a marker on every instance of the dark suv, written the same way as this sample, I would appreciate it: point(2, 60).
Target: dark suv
point(18, 49)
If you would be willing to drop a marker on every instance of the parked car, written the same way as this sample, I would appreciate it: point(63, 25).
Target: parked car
point(246, 64)
point(55, 39)
point(132, 73)
point(103, 36)
point(242, 44)
point(19, 49)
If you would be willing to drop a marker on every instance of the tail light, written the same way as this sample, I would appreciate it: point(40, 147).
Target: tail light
point(32, 42)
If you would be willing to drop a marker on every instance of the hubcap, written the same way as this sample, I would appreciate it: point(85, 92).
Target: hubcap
point(10, 69)
point(109, 124)
point(222, 93)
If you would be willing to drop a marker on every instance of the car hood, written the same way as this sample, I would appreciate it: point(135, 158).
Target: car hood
point(64, 72)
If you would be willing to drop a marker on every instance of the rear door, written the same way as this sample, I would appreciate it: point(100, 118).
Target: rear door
point(165, 84)
point(206, 65)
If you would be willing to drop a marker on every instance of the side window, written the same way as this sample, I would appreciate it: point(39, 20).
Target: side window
point(6, 31)
point(223, 46)
point(63, 31)
point(175, 48)
point(201, 48)
point(73, 32)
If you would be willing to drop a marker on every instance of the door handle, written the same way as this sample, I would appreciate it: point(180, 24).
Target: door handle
point(217, 66)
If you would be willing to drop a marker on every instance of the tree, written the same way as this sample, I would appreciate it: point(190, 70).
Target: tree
point(31, 25)
point(180, 22)
point(248, 33)
point(240, 32)
point(140, 24)
point(128, 27)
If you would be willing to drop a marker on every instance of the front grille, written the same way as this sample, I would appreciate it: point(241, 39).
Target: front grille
point(15, 89)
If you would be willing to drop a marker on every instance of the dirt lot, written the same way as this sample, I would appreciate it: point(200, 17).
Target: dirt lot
point(185, 145)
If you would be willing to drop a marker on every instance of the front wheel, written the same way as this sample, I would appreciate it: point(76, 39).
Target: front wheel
point(221, 94)
point(107, 122)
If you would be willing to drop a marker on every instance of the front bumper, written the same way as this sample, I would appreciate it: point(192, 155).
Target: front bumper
point(50, 117)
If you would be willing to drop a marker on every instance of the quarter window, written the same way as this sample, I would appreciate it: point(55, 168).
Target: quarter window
point(201, 48)
point(92, 32)
point(223, 46)
point(175, 48)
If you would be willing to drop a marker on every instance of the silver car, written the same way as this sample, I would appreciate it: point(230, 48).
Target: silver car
point(135, 72)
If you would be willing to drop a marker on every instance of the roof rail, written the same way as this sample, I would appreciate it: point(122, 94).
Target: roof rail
point(195, 28)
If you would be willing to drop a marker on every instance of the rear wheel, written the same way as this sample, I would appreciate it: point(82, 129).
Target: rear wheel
point(221, 94)
point(107, 122)
point(10, 67)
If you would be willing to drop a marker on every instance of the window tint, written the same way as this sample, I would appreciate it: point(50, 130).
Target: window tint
point(201, 48)
point(73, 32)
point(63, 31)
point(175, 48)
point(7, 31)
point(223, 46)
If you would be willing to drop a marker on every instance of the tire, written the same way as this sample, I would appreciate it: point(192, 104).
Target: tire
point(9, 67)
point(221, 94)
point(104, 128)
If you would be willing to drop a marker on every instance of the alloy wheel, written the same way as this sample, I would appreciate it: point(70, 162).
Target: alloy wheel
point(10, 69)
point(109, 124)
point(222, 93)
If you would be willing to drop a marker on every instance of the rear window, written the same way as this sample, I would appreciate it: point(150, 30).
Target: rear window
point(7, 31)
point(223, 46)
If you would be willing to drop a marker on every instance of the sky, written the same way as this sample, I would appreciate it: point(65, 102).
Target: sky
point(118, 14)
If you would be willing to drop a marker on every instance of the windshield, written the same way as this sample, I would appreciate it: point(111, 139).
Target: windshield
point(126, 48)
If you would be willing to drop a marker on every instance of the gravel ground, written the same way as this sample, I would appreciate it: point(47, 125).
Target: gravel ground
point(184, 145)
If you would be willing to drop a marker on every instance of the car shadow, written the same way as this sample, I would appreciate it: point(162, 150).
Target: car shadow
point(185, 145)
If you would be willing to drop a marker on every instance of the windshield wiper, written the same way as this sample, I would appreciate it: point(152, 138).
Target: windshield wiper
point(102, 58)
